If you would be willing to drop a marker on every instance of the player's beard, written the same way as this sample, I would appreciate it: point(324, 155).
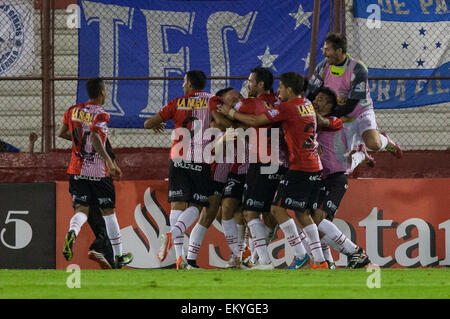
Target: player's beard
point(252, 93)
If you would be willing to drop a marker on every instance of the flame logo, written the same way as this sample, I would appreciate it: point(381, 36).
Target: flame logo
point(152, 221)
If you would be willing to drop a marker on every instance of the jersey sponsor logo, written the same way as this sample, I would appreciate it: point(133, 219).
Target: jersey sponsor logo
point(341, 100)
point(190, 166)
point(331, 205)
point(273, 112)
point(200, 198)
point(294, 203)
point(315, 178)
point(78, 115)
point(254, 203)
point(306, 110)
point(192, 103)
point(177, 193)
point(12, 37)
point(104, 201)
point(267, 105)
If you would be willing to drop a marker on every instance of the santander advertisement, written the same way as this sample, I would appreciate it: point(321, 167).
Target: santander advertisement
point(399, 222)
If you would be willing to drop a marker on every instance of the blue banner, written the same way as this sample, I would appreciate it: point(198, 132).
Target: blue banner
point(167, 38)
point(403, 39)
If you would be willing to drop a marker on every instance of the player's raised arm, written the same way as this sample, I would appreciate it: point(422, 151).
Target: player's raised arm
point(156, 123)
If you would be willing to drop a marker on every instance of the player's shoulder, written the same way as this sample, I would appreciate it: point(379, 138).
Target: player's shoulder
point(321, 64)
point(72, 107)
point(205, 94)
point(360, 66)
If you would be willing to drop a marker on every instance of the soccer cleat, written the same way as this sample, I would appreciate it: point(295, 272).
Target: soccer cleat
point(322, 265)
point(180, 263)
point(99, 258)
point(166, 244)
point(123, 260)
point(331, 264)
point(68, 243)
point(262, 267)
point(298, 263)
point(358, 259)
point(369, 160)
point(192, 264)
point(392, 147)
point(247, 263)
point(233, 262)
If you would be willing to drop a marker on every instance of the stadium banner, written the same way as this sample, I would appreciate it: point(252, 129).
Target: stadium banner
point(403, 39)
point(399, 222)
point(27, 225)
point(17, 53)
point(168, 38)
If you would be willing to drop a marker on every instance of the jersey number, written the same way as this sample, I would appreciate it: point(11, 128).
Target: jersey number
point(82, 144)
point(309, 143)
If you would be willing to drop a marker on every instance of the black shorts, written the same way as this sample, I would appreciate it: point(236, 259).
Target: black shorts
point(92, 191)
point(259, 188)
point(217, 187)
point(298, 191)
point(332, 191)
point(190, 182)
point(234, 187)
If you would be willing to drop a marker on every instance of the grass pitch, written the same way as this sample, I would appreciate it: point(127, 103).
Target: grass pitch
point(226, 284)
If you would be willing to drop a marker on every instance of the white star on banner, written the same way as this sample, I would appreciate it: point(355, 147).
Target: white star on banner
point(301, 17)
point(306, 60)
point(267, 59)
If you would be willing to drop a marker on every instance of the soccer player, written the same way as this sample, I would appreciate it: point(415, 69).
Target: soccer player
point(232, 220)
point(348, 78)
point(219, 175)
point(189, 173)
point(298, 189)
point(91, 168)
point(332, 150)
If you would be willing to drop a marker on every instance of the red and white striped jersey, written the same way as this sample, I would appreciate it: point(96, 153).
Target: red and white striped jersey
point(82, 119)
point(191, 112)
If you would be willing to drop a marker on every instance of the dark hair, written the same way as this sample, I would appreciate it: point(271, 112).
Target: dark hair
point(264, 75)
point(332, 97)
point(94, 87)
point(222, 92)
point(297, 82)
point(197, 79)
point(337, 40)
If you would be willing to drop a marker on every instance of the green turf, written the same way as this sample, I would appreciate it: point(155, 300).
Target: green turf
point(226, 284)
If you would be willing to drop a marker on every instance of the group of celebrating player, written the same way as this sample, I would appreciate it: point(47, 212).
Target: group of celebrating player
point(311, 146)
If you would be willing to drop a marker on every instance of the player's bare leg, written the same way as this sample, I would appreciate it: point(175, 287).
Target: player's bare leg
point(377, 141)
